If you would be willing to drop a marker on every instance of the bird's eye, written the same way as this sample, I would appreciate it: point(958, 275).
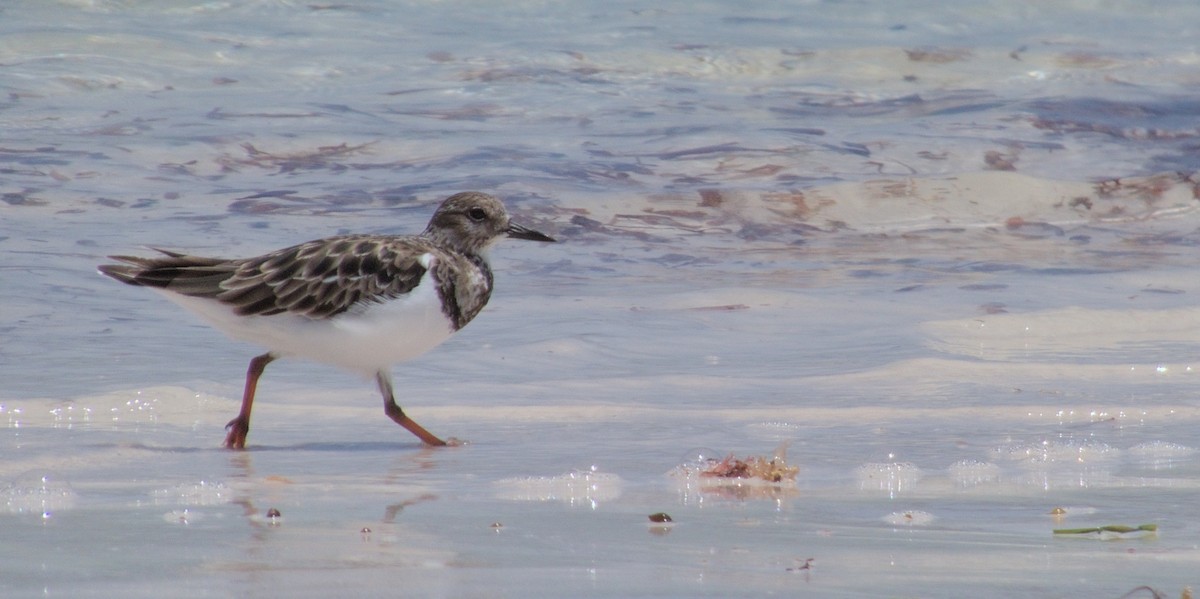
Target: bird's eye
point(477, 214)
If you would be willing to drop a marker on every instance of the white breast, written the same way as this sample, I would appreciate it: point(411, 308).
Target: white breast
point(366, 339)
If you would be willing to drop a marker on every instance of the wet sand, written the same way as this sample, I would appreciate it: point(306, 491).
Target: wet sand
point(953, 270)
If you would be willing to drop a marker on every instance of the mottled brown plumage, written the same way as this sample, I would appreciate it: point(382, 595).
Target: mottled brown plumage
point(331, 299)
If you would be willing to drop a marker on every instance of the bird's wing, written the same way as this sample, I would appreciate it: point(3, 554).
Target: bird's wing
point(326, 277)
point(188, 275)
point(317, 279)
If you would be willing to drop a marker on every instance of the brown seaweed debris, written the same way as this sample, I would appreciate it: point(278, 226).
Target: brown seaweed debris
point(773, 470)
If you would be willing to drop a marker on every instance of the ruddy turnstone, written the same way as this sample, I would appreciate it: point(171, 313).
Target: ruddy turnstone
point(361, 302)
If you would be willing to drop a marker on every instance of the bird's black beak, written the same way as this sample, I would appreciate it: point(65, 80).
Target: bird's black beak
point(519, 232)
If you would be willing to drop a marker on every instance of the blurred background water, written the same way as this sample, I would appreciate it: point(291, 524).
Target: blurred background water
point(946, 252)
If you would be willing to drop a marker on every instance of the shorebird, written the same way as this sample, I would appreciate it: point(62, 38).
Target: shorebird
point(360, 302)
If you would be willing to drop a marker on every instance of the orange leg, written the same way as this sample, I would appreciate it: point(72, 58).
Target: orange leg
point(238, 427)
point(393, 411)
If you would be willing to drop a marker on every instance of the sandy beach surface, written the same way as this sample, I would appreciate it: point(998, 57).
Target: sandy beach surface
point(944, 257)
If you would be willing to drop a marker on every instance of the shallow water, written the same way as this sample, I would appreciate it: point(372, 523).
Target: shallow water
point(946, 254)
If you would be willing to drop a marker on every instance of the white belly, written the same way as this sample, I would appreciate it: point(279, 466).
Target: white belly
point(366, 339)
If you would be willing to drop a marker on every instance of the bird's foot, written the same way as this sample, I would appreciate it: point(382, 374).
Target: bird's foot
point(238, 429)
point(425, 436)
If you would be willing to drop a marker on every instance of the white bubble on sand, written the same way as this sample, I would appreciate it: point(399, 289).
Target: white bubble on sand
point(39, 494)
point(14, 415)
point(578, 488)
point(893, 477)
point(142, 408)
point(909, 518)
point(1160, 450)
point(1066, 451)
point(969, 473)
point(194, 494)
point(184, 516)
point(775, 427)
point(67, 414)
point(1160, 455)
